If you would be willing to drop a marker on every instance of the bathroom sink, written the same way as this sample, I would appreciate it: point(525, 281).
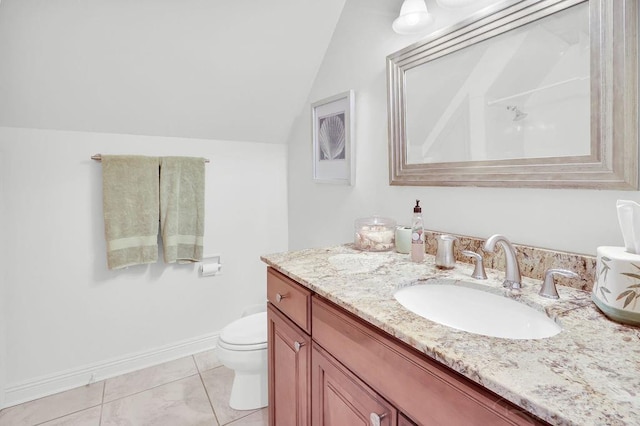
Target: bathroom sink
point(476, 311)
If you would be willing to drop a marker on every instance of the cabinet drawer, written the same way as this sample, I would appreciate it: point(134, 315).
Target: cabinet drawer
point(290, 298)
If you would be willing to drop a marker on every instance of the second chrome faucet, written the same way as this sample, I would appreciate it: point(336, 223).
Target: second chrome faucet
point(512, 270)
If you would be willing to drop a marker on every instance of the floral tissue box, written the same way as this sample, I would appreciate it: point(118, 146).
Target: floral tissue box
point(616, 291)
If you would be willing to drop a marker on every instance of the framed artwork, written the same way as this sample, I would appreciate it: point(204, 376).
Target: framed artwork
point(332, 127)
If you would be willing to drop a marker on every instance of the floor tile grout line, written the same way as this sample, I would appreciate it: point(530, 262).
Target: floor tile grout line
point(101, 404)
point(104, 389)
point(196, 363)
point(206, 392)
point(70, 413)
point(54, 394)
point(152, 387)
point(242, 417)
point(74, 412)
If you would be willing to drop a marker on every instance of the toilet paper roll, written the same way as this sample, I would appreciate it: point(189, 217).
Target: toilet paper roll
point(209, 269)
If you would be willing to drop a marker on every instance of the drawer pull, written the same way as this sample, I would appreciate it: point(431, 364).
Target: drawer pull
point(376, 419)
point(297, 345)
point(279, 297)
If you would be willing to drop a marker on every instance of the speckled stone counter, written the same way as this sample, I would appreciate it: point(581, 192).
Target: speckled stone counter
point(589, 374)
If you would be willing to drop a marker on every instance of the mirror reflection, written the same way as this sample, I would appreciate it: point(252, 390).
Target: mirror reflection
point(522, 94)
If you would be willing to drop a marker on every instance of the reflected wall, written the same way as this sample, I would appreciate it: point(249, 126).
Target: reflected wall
point(521, 94)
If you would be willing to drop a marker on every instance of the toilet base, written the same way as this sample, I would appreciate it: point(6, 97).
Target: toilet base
point(249, 390)
point(245, 352)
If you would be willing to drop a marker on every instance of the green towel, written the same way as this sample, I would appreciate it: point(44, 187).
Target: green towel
point(182, 208)
point(130, 202)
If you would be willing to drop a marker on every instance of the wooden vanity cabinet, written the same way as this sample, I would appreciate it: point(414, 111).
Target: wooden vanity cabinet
point(339, 398)
point(350, 370)
point(289, 351)
point(403, 421)
point(289, 371)
point(424, 390)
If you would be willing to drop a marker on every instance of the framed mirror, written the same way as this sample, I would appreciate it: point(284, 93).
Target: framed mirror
point(524, 94)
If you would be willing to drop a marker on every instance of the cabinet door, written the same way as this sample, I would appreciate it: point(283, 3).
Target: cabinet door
point(289, 350)
point(404, 421)
point(339, 398)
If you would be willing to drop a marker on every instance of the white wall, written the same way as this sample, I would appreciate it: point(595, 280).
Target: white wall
point(66, 315)
point(572, 220)
point(3, 280)
point(91, 76)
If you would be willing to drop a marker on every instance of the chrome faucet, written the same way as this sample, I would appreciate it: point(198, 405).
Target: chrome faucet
point(512, 270)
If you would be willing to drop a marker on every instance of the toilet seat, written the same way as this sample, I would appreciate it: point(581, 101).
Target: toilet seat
point(245, 334)
point(255, 347)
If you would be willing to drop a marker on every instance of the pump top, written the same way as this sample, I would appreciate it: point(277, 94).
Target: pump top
point(417, 208)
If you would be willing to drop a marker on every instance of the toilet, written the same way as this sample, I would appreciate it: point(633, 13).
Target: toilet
point(242, 347)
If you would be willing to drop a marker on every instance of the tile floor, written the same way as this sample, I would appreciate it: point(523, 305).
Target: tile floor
point(190, 391)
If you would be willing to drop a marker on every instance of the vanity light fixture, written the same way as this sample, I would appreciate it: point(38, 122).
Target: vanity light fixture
point(452, 4)
point(413, 18)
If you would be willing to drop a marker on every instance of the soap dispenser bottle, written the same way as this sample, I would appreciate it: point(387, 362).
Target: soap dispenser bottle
point(417, 234)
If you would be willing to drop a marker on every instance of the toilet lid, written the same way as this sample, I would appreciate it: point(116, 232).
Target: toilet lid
point(248, 330)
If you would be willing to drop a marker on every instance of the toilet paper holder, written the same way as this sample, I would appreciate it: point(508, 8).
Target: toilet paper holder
point(210, 266)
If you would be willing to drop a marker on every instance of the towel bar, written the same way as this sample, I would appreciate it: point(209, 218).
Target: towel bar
point(98, 157)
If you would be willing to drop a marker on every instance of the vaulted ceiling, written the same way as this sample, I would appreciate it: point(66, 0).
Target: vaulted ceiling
point(213, 69)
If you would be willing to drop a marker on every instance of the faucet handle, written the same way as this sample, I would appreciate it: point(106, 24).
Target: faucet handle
point(478, 271)
point(548, 288)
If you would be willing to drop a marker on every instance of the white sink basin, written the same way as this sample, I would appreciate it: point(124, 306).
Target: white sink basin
point(476, 311)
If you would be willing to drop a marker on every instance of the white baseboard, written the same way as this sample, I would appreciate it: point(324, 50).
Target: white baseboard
point(47, 385)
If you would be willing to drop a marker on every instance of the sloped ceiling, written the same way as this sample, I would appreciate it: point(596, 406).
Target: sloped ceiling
point(213, 69)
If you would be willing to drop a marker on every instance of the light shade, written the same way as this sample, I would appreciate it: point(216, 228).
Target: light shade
point(413, 18)
point(451, 4)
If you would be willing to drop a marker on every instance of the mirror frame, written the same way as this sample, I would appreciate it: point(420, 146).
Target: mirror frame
point(613, 162)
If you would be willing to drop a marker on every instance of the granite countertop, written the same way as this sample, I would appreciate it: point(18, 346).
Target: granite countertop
point(588, 374)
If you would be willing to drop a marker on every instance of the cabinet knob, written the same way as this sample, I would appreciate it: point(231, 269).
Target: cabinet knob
point(376, 419)
point(279, 297)
point(297, 345)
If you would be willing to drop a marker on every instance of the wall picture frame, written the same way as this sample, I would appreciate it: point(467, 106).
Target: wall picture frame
point(332, 136)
